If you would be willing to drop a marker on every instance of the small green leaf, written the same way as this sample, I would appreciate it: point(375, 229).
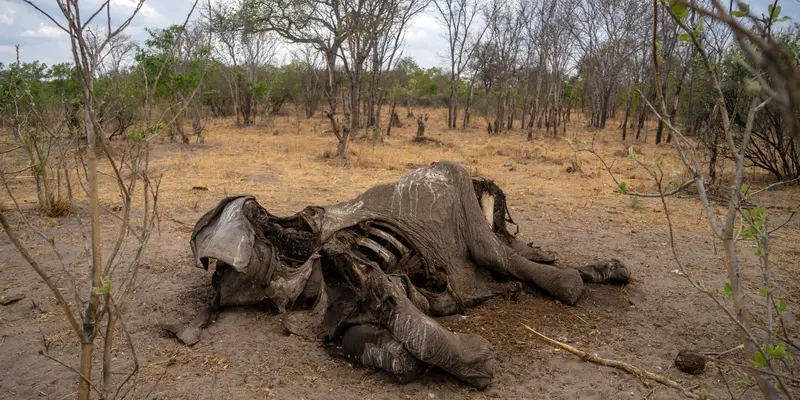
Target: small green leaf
point(659, 60)
point(781, 306)
point(774, 13)
point(680, 10)
point(744, 7)
point(623, 187)
point(684, 37)
point(727, 290)
point(105, 289)
point(753, 87)
point(760, 361)
point(783, 19)
point(632, 153)
point(763, 292)
point(738, 14)
point(743, 190)
point(777, 351)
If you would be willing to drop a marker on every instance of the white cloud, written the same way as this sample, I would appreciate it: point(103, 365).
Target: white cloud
point(6, 18)
point(7, 13)
point(44, 31)
point(130, 5)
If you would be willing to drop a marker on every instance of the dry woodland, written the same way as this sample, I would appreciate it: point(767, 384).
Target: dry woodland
point(661, 134)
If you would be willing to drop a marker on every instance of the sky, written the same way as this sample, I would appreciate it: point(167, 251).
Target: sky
point(39, 38)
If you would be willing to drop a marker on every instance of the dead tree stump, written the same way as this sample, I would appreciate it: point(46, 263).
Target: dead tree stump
point(395, 122)
point(421, 120)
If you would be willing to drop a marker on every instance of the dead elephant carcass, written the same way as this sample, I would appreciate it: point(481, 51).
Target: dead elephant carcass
point(370, 274)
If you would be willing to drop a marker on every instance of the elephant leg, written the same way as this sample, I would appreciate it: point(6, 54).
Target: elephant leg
point(612, 271)
point(468, 357)
point(565, 284)
point(374, 346)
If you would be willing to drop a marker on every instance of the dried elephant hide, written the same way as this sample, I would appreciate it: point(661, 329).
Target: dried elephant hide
point(369, 274)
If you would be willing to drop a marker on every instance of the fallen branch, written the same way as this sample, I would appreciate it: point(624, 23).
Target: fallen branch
point(616, 364)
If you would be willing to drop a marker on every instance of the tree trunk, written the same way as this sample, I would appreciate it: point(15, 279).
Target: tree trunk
point(659, 131)
point(625, 124)
point(569, 111)
point(530, 127)
point(96, 271)
point(421, 125)
point(604, 109)
point(341, 150)
point(525, 105)
point(511, 108)
point(469, 102)
point(499, 114)
point(640, 124)
point(355, 99)
point(452, 110)
point(713, 148)
point(394, 120)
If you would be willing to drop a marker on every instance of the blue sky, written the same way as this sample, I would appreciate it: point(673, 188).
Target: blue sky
point(40, 40)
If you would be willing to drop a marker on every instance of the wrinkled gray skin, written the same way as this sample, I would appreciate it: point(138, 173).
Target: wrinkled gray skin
point(330, 283)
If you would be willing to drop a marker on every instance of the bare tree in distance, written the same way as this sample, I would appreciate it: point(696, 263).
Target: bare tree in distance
point(465, 31)
point(386, 43)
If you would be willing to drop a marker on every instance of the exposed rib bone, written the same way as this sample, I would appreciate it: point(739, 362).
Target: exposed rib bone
point(386, 255)
point(391, 239)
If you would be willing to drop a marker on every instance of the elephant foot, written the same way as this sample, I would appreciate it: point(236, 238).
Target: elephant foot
point(189, 333)
point(568, 287)
point(612, 271)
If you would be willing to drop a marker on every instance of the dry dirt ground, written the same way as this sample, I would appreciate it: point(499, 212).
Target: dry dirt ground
point(247, 355)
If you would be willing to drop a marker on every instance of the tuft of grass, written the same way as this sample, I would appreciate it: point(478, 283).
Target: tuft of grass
point(637, 204)
point(58, 207)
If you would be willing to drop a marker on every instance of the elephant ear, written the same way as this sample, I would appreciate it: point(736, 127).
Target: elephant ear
point(224, 234)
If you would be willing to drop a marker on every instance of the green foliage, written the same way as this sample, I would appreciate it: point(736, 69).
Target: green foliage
point(680, 10)
point(768, 352)
point(157, 57)
point(727, 290)
point(759, 361)
point(754, 228)
point(105, 288)
point(632, 154)
point(743, 189)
